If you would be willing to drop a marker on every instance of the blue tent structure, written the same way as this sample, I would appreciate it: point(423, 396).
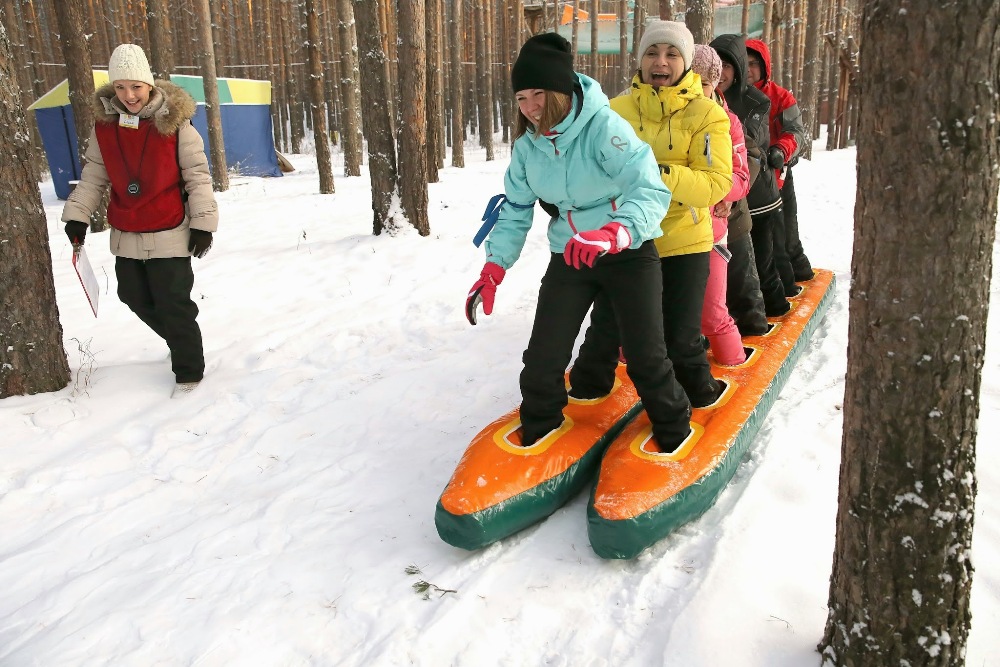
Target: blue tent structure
point(246, 126)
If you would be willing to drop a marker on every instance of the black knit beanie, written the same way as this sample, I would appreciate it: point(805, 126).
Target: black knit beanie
point(545, 61)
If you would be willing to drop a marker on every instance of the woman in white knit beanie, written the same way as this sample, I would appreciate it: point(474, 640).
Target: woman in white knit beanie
point(162, 209)
point(689, 135)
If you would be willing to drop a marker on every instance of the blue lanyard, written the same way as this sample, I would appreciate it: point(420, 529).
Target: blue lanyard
point(492, 214)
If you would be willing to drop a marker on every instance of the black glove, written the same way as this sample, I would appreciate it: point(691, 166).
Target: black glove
point(775, 158)
point(200, 242)
point(76, 231)
point(551, 209)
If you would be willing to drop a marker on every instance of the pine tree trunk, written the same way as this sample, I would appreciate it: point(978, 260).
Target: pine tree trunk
point(213, 111)
point(97, 43)
point(575, 41)
point(902, 570)
point(623, 53)
point(10, 16)
point(217, 26)
point(812, 71)
point(413, 120)
point(766, 36)
point(457, 107)
point(435, 142)
point(699, 19)
point(184, 39)
point(375, 112)
point(485, 84)
point(595, 7)
point(496, 91)
point(638, 25)
point(387, 16)
point(76, 55)
point(835, 76)
point(262, 17)
point(349, 91)
point(107, 17)
point(505, 96)
point(161, 50)
point(333, 79)
point(317, 101)
point(33, 41)
point(292, 47)
point(48, 26)
point(777, 41)
point(32, 358)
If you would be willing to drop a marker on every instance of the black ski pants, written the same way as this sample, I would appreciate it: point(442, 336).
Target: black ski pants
point(159, 292)
point(743, 295)
point(766, 228)
point(684, 280)
point(801, 266)
point(631, 283)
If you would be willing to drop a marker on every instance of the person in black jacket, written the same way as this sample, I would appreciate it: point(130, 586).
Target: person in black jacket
point(752, 107)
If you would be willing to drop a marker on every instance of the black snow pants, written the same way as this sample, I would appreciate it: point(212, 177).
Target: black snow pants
point(743, 295)
point(631, 284)
point(684, 280)
point(159, 292)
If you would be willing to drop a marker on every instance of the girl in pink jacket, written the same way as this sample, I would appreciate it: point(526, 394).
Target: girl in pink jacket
point(716, 323)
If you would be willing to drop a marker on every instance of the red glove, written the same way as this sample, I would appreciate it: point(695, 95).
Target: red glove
point(484, 291)
point(586, 247)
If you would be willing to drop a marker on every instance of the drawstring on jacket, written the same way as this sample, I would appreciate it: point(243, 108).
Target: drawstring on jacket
point(670, 128)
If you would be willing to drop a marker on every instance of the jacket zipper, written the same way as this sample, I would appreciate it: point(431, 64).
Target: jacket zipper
point(708, 148)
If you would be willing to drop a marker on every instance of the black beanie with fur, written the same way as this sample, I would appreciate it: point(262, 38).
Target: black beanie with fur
point(545, 61)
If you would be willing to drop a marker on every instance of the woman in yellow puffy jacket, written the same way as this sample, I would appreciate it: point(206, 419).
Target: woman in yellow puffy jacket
point(689, 135)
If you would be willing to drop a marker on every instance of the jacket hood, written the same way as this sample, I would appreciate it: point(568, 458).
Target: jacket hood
point(170, 106)
point(765, 55)
point(593, 99)
point(733, 49)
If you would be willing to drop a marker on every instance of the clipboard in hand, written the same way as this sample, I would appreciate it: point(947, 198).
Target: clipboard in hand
point(86, 275)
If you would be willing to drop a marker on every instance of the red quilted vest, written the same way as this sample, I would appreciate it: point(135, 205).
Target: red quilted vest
point(146, 157)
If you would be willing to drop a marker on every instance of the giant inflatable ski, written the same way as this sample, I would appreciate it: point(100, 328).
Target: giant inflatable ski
point(500, 487)
point(642, 495)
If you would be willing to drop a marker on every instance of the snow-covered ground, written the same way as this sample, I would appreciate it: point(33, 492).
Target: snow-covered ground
point(270, 517)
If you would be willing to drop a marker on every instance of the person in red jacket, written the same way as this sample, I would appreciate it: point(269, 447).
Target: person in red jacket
point(788, 138)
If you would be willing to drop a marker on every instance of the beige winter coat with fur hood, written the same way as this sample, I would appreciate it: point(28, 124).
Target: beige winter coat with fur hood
point(171, 109)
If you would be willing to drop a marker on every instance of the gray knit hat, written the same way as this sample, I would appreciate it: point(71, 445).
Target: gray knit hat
point(673, 33)
point(128, 63)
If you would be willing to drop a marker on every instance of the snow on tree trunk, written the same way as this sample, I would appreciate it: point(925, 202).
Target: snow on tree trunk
point(375, 112)
point(317, 100)
point(32, 358)
point(213, 111)
point(413, 117)
point(925, 216)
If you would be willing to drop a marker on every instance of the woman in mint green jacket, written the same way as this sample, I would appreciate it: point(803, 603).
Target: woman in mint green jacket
point(573, 151)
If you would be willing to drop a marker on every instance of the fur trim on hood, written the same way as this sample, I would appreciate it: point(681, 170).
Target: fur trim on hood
point(172, 105)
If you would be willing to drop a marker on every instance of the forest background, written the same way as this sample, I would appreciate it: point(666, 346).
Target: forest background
point(340, 66)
